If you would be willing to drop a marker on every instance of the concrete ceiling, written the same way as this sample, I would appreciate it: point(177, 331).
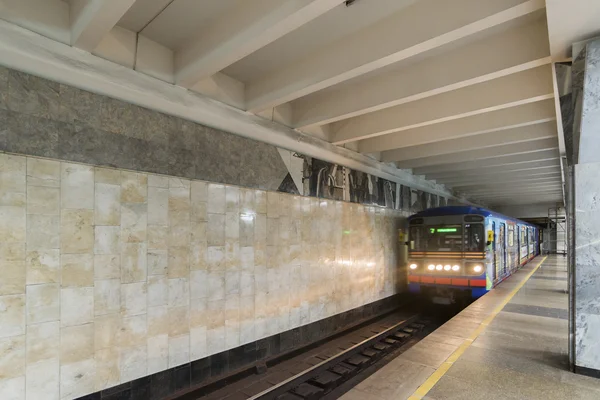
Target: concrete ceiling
point(459, 91)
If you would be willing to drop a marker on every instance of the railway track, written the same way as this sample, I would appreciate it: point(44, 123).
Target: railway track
point(322, 379)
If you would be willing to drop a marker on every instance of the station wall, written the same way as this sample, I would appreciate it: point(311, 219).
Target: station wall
point(118, 262)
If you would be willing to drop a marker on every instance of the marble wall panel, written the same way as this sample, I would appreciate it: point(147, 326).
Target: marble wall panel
point(111, 275)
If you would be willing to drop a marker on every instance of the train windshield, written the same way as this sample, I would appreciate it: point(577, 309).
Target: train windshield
point(447, 238)
point(436, 238)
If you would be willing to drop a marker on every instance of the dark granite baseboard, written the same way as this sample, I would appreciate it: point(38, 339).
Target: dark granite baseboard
point(591, 372)
point(204, 375)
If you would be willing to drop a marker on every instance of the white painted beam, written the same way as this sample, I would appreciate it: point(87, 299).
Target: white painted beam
point(519, 163)
point(521, 88)
point(24, 50)
point(492, 179)
point(495, 121)
point(423, 26)
point(493, 176)
point(486, 140)
point(496, 187)
point(517, 192)
point(504, 53)
point(91, 20)
point(482, 154)
point(250, 26)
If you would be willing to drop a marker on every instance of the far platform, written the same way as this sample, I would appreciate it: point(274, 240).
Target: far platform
point(510, 344)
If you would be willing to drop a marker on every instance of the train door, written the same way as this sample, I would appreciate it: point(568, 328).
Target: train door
point(494, 252)
point(502, 249)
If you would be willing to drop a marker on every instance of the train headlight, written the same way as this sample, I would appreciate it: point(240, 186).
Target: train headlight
point(431, 267)
point(447, 267)
point(439, 267)
point(413, 266)
point(478, 268)
point(455, 267)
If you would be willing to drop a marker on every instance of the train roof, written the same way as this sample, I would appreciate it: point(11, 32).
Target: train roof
point(464, 210)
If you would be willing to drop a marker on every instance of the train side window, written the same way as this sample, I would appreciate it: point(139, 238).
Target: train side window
point(474, 240)
point(511, 237)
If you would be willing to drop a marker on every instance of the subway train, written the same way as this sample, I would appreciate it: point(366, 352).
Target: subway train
point(461, 252)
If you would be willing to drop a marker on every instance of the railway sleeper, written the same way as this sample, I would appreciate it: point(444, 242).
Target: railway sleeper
point(307, 391)
point(326, 380)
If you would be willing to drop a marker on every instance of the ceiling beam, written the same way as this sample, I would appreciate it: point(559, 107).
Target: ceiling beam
point(521, 88)
point(501, 181)
point(92, 20)
point(486, 140)
point(495, 121)
point(460, 181)
point(409, 36)
point(507, 52)
point(483, 168)
point(536, 193)
point(250, 26)
point(498, 187)
point(482, 154)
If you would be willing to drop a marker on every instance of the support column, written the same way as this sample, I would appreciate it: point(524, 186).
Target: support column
point(586, 157)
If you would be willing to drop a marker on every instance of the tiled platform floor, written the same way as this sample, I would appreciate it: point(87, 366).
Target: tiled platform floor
point(521, 354)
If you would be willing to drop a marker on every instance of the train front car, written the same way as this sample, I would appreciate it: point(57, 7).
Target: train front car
point(462, 251)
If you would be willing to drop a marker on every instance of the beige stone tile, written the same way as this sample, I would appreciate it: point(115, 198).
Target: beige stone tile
point(107, 207)
point(232, 333)
point(12, 357)
point(273, 204)
point(199, 191)
point(179, 350)
point(247, 203)
point(158, 262)
point(179, 204)
point(106, 331)
point(42, 266)
point(134, 218)
point(76, 343)
point(43, 341)
point(158, 290)
point(12, 224)
point(179, 233)
point(107, 296)
point(43, 200)
point(198, 313)
point(76, 306)
point(179, 292)
point(12, 315)
point(260, 201)
point(215, 314)
point(134, 298)
point(158, 236)
point(77, 379)
point(107, 240)
point(215, 258)
point(43, 303)
point(198, 232)
point(77, 231)
point(216, 285)
point(232, 199)
point(232, 228)
point(198, 284)
point(232, 256)
point(214, 339)
point(158, 206)
point(180, 183)
point(215, 230)
point(158, 181)
point(43, 232)
point(133, 362)
point(107, 266)
point(134, 187)
point(133, 331)
point(179, 262)
point(77, 270)
point(199, 211)
point(178, 321)
point(43, 172)
point(107, 175)
point(12, 199)
point(198, 345)
point(12, 173)
point(158, 320)
point(107, 368)
point(13, 389)
point(133, 262)
point(76, 186)
point(158, 353)
point(43, 380)
point(216, 198)
point(198, 256)
point(13, 274)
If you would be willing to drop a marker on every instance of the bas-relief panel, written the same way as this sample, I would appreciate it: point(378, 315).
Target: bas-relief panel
point(587, 233)
point(110, 275)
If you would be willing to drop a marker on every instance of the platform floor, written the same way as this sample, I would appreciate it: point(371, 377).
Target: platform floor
point(510, 344)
